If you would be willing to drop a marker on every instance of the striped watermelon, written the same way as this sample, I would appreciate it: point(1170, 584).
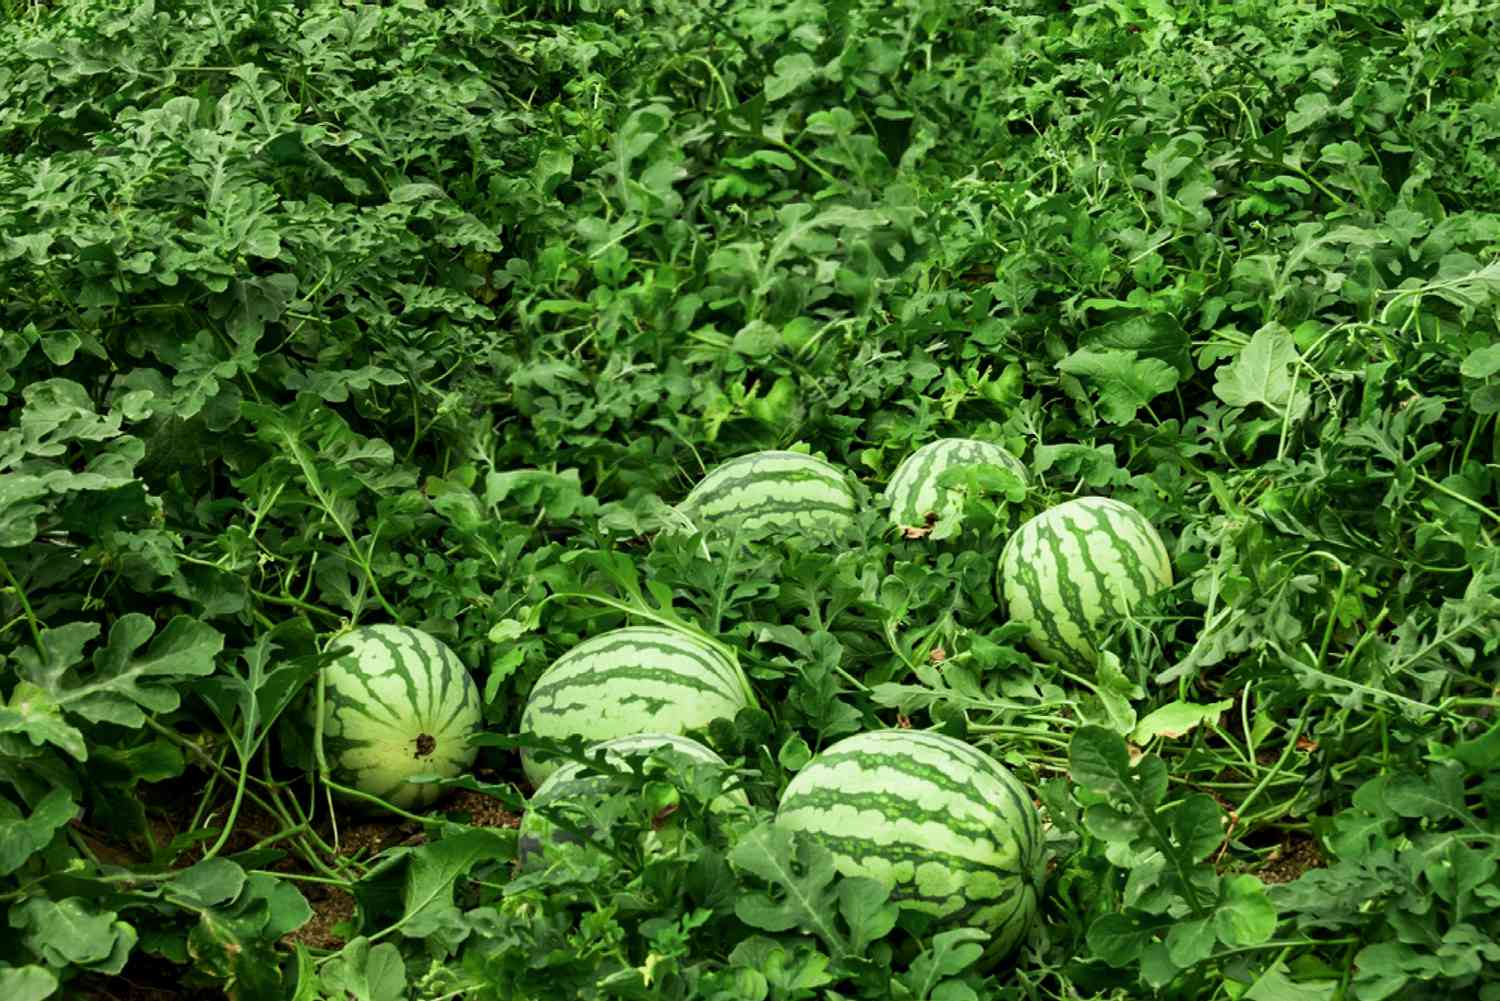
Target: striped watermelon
point(1073, 566)
point(948, 828)
point(914, 491)
point(773, 492)
point(640, 679)
point(397, 703)
point(575, 783)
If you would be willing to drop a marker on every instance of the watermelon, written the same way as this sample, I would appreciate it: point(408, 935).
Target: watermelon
point(397, 703)
point(914, 491)
point(640, 679)
point(575, 783)
point(950, 830)
point(773, 492)
point(1068, 570)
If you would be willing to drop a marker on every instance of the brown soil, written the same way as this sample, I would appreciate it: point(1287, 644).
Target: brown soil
point(331, 905)
point(483, 811)
point(1291, 859)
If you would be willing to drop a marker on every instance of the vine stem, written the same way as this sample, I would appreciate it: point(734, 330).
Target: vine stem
point(272, 808)
point(31, 619)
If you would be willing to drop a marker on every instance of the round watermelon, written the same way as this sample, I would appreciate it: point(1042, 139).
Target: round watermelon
point(773, 492)
point(397, 703)
point(914, 491)
point(640, 679)
point(950, 830)
point(580, 786)
point(1069, 569)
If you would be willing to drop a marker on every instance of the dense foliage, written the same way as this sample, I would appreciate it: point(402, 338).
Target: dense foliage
point(317, 314)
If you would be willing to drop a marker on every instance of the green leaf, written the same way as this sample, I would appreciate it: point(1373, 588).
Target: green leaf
point(1120, 939)
point(1481, 363)
point(1125, 382)
point(248, 704)
point(235, 942)
point(1245, 915)
point(1310, 110)
point(1100, 762)
point(1198, 826)
point(206, 884)
point(1157, 968)
point(71, 932)
point(432, 874)
point(287, 908)
point(791, 72)
point(801, 874)
point(792, 972)
point(1382, 969)
point(27, 983)
point(61, 648)
point(124, 680)
point(21, 836)
point(794, 753)
point(867, 910)
point(1437, 795)
point(1148, 335)
point(949, 954)
point(1190, 942)
point(125, 677)
point(1176, 719)
point(361, 972)
point(19, 511)
point(1263, 373)
point(1276, 984)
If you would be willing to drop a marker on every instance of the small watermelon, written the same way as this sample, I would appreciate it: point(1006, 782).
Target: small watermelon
point(639, 679)
point(914, 491)
point(773, 492)
point(950, 830)
point(1068, 569)
point(397, 703)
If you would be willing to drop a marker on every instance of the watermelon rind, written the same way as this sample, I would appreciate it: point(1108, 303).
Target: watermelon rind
point(1074, 566)
point(948, 829)
point(576, 783)
point(637, 679)
point(396, 703)
point(914, 491)
point(773, 492)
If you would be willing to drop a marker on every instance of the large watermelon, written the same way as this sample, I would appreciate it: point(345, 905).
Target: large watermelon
point(640, 679)
point(397, 703)
point(1076, 564)
point(576, 784)
point(914, 491)
point(773, 492)
point(948, 828)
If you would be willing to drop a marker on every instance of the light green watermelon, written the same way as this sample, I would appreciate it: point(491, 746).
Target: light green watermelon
point(576, 784)
point(1067, 570)
point(950, 830)
point(640, 679)
point(397, 703)
point(914, 491)
point(773, 492)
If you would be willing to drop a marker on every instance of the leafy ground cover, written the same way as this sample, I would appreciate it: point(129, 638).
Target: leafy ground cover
point(318, 314)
